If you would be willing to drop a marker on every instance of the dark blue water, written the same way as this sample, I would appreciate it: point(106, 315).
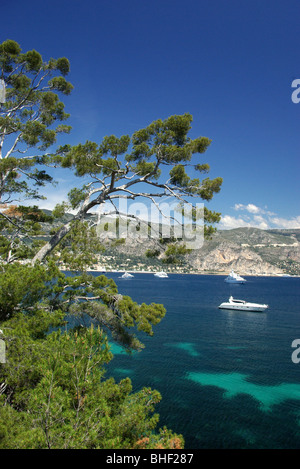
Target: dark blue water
point(227, 379)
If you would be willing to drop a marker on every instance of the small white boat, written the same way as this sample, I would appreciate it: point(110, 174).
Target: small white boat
point(234, 278)
point(161, 275)
point(241, 305)
point(126, 275)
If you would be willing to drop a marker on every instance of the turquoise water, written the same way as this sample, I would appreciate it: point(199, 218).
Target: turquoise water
point(227, 379)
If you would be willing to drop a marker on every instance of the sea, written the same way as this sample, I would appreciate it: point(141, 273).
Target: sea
point(228, 379)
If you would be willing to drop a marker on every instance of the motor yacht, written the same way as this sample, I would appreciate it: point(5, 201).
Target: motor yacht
point(127, 275)
point(234, 278)
point(241, 305)
point(161, 275)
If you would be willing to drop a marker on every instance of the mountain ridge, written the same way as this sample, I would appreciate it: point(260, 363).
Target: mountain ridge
point(250, 251)
point(247, 250)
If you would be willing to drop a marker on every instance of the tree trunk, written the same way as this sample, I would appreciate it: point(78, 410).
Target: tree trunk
point(64, 230)
point(48, 247)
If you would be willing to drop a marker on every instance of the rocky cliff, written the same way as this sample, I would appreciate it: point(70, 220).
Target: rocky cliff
point(249, 251)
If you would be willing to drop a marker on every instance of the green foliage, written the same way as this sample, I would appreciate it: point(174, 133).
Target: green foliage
point(114, 146)
point(22, 286)
point(210, 217)
point(9, 51)
point(79, 248)
point(60, 209)
point(163, 141)
point(152, 253)
point(175, 253)
point(179, 176)
point(29, 115)
point(209, 188)
point(204, 189)
point(76, 197)
point(82, 295)
point(98, 298)
point(63, 65)
point(56, 396)
point(18, 225)
point(144, 168)
point(10, 182)
point(15, 249)
point(118, 241)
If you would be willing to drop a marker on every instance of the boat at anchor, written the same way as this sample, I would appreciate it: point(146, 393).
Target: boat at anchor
point(127, 275)
point(161, 275)
point(234, 278)
point(242, 305)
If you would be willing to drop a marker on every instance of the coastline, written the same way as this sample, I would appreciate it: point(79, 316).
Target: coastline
point(223, 273)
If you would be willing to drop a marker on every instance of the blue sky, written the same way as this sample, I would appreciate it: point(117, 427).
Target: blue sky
point(229, 63)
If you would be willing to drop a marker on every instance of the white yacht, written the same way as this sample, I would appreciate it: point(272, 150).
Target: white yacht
point(234, 278)
point(161, 275)
point(241, 305)
point(127, 275)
